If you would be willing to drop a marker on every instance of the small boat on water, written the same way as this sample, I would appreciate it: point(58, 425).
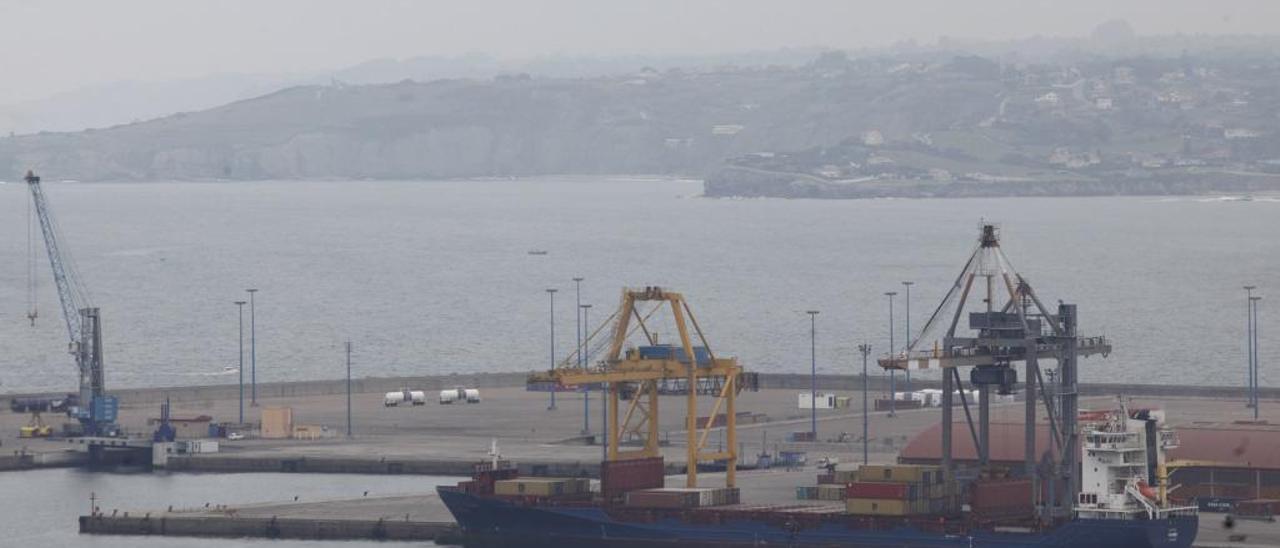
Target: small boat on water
point(537, 252)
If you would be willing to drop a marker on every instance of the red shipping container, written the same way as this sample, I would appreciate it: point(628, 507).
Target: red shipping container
point(1257, 507)
point(1000, 496)
point(866, 490)
point(618, 477)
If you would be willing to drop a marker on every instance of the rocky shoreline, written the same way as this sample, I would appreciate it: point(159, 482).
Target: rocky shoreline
point(732, 182)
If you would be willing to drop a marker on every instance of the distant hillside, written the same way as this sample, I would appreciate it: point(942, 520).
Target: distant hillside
point(888, 124)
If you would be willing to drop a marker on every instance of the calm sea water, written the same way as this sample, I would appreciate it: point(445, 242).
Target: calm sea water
point(435, 277)
point(40, 507)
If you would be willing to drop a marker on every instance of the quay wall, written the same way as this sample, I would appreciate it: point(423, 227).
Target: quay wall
point(256, 527)
point(150, 396)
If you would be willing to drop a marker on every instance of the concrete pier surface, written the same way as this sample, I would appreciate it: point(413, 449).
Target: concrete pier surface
point(447, 439)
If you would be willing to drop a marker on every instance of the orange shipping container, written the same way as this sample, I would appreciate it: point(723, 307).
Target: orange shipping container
point(277, 422)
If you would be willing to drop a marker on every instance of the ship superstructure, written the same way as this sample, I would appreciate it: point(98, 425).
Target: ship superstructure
point(1123, 458)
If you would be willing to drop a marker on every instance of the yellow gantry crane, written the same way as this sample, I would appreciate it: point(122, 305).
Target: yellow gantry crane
point(651, 368)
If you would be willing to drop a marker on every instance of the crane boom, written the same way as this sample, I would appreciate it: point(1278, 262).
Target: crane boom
point(96, 410)
point(71, 296)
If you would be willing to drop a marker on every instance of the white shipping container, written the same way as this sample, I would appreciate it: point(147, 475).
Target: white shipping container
point(448, 396)
point(824, 401)
point(393, 399)
point(419, 397)
point(473, 395)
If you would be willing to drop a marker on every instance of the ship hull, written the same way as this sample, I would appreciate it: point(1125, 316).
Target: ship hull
point(489, 522)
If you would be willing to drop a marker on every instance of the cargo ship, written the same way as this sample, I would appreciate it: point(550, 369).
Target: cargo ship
point(1121, 456)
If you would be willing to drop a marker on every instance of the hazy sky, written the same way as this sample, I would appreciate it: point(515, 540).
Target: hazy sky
point(54, 45)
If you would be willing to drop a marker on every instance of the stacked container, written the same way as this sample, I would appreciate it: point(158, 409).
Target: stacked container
point(542, 487)
point(900, 490)
point(999, 499)
point(620, 476)
point(675, 497)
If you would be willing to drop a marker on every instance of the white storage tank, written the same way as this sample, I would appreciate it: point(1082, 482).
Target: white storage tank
point(473, 395)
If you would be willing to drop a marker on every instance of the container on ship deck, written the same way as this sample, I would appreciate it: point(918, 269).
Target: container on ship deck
point(878, 507)
point(1003, 497)
point(1257, 508)
point(826, 479)
point(618, 477)
point(542, 487)
point(807, 492)
point(831, 492)
point(845, 476)
point(663, 498)
point(900, 473)
point(871, 490)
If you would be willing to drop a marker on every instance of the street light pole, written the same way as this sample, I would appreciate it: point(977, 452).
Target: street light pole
point(253, 352)
point(893, 379)
point(906, 343)
point(1249, 342)
point(348, 389)
point(552, 293)
point(577, 317)
point(582, 359)
point(813, 377)
point(865, 349)
point(1256, 365)
point(240, 370)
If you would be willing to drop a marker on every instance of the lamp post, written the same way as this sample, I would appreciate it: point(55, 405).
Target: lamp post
point(1256, 365)
point(1249, 343)
point(552, 293)
point(348, 389)
point(893, 379)
point(577, 317)
point(906, 343)
point(240, 370)
point(582, 359)
point(253, 352)
point(813, 376)
point(865, 349)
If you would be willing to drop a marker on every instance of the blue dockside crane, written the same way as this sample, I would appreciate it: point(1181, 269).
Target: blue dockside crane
point(96, 410)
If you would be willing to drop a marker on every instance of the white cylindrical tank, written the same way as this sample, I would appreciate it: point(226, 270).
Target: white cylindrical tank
point(473, 395)
point(393, 399)
point(419, 397)
point(448, 396)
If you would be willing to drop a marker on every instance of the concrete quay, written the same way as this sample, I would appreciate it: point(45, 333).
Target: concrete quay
point(401, 518)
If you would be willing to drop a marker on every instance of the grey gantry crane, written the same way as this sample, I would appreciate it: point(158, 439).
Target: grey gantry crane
point(1022, 330)
point(96, 410)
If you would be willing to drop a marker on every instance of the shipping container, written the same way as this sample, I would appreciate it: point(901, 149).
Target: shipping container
point(807, 492)
point(662, 498)
point(870, 490)
point(845, 476)
point(998, 498)
point(618, 477)
point(802, 436)
point(418, 397)
point(542, 487)
point(1257, 508)
point(826, 479)
point(900, 473)
point(472, 395)
point(831, 492)
point(277, 422)
point(878, 507)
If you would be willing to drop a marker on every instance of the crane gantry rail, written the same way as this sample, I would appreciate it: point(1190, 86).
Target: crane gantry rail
point(639, 371)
